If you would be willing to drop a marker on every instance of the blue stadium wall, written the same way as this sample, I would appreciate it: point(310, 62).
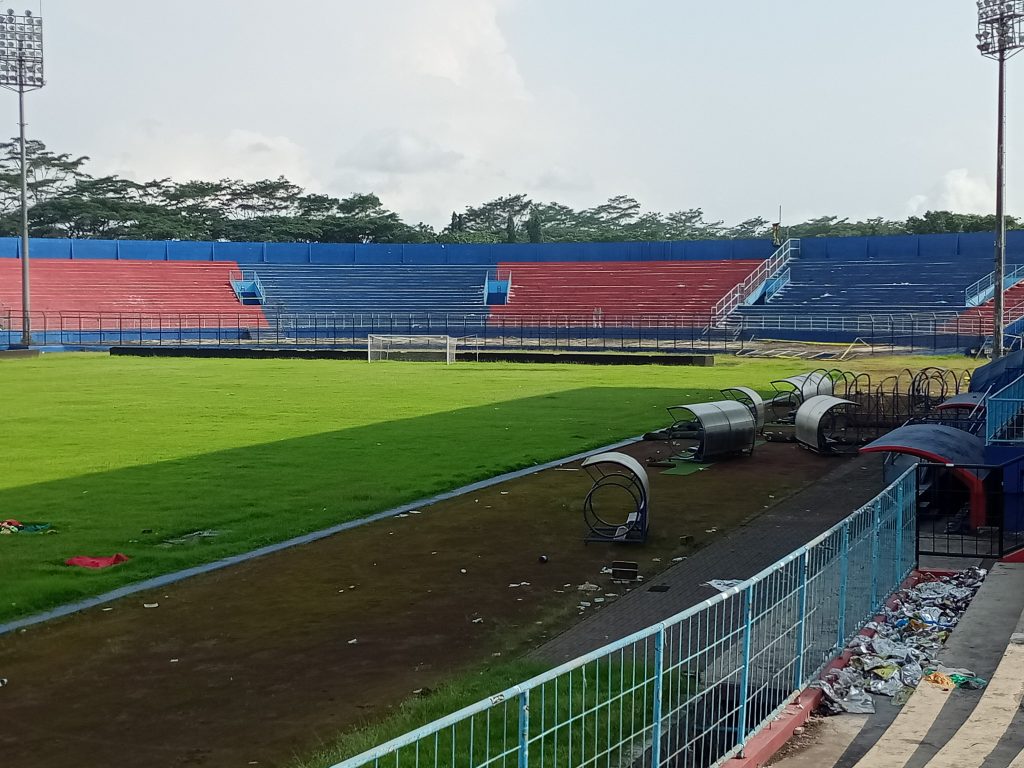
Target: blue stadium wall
point(924, 247)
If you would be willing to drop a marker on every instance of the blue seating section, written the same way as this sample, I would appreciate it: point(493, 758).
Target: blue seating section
point(395, 288)
point(874, 285)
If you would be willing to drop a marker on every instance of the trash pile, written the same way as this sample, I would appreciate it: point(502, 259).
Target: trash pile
point(8, 527)
point(904, 647)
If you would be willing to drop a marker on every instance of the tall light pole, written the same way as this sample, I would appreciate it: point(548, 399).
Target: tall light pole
point(21, 70)
point(1000, 28)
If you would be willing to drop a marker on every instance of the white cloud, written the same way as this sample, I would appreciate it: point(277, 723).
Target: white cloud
point(399, 153)
point(158, 152)
point(958, 191)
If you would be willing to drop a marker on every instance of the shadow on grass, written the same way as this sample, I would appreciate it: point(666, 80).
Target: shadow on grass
point(266, 493)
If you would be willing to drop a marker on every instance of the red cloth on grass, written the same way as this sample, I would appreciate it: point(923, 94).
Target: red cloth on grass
point(96, 562)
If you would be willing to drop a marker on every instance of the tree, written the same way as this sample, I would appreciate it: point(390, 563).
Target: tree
point(534, 227)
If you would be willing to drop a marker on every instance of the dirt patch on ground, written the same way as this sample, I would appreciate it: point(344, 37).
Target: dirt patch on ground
point(264, 660)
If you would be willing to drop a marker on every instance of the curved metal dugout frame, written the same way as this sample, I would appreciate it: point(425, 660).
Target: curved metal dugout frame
point(725, 428)
point(617, 470)
point(810, 422)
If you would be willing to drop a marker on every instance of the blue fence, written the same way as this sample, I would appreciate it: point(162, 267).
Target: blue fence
point(1004, 414)
point(927, 248)
point(383, 253)
point(692, 690)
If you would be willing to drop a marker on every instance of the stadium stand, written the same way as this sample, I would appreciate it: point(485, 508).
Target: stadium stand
point(100, 286)
point(619, 288)
point(380, 289)
point(822, 286)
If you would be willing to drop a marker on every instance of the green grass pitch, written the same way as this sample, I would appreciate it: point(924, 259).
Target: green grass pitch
point(119, 454)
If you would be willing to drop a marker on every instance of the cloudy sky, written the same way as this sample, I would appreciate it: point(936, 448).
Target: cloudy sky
point(861, 109)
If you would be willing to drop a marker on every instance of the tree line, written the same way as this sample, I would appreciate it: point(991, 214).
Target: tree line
point(65, 200)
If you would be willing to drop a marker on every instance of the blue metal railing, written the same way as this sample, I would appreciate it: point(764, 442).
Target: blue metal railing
point(692, 690)
point(1004, 414)
point(247, 285)
point(776, 284)
point(982, 290)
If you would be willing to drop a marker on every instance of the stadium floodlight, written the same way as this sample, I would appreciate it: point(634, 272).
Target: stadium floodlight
point(1000, 35)
point(21, 70)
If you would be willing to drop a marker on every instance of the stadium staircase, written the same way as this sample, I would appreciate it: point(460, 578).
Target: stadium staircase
point(978, 316)
point(93, 287)
point(430, 289)
point(610, 289)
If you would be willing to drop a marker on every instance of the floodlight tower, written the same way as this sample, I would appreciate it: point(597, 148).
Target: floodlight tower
point(21, 70)
point(1000, 36)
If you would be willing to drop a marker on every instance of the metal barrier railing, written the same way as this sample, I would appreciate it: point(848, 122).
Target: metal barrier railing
point(679, 331)
point(694, 689)
point(1004, 414)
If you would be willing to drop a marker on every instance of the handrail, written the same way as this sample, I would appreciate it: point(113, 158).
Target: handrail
point(980, 291)
point(765, 270)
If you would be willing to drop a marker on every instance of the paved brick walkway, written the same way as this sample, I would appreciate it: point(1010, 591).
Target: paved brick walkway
point(738, 555)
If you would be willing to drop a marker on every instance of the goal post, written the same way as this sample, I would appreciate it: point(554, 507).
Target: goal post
point(418, 348)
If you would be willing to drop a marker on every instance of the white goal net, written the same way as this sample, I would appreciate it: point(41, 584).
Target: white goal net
point(414, 348)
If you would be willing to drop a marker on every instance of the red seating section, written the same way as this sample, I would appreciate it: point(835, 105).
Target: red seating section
point(619, 288)
point(152, 287)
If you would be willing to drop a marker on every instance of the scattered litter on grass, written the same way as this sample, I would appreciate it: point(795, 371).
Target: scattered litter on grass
point(462, 570)
point(520, 584)
point(606, 569)
point(678, 559)
point(401, 514)
point(353, 641)
point(151, 605)
point(478, 620)
point(3, 682)
point(610, 594)
point(598, 599)
point(584, 604)
point(722, 585)
point(190, 538)
point(414, 512)
point(8, 527)
point(588, 587)
point(504, 493)
point(107, 609)
point(655, 559)
point(174, 661)
point(903, 649)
